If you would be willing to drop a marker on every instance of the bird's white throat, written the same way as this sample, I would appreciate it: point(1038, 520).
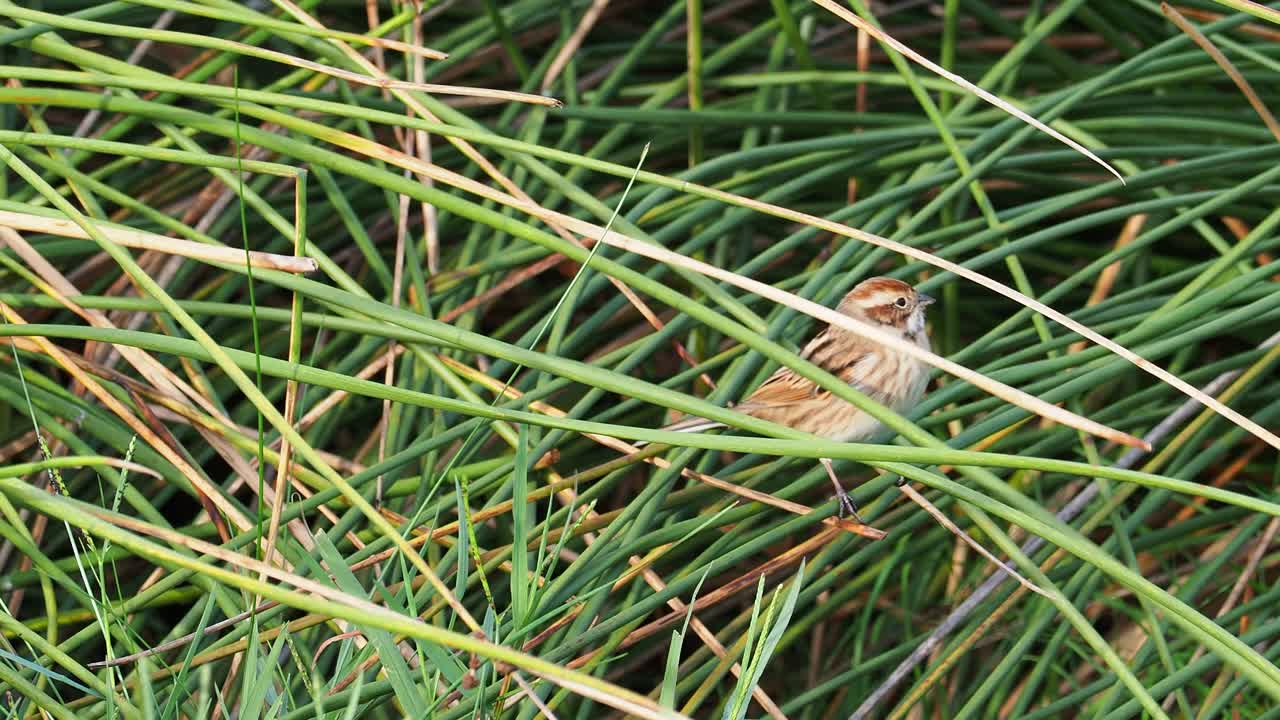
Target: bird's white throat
point(915, 323)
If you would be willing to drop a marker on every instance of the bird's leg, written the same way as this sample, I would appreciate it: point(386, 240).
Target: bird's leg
point(846, 502)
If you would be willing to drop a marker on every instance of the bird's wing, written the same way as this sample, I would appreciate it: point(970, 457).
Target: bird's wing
point(782, 388)
point(853, 364)
point(860, 374)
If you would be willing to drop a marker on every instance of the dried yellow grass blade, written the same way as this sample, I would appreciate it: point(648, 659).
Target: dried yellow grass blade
point(561, 59)
point(104, 461)
point(1227, 67)
point(1255, 9)
point(141, 240)
point(197, 479)
point(945, 522)
point(849, 17)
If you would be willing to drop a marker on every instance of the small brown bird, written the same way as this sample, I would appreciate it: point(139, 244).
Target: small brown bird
point(887, 376)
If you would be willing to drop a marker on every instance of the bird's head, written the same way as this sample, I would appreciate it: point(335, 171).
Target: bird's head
point(888, 303)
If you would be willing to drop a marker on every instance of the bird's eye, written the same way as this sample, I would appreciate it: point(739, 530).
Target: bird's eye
point(900, 302)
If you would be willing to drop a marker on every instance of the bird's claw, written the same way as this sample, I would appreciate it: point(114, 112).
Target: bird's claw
point(847, 507)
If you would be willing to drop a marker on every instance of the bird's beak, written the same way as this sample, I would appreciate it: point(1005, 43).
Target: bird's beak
point(923, 300)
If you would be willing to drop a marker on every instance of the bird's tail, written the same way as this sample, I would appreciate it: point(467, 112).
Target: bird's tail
point(691, 424)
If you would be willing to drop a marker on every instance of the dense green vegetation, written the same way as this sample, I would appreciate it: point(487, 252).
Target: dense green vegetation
point(380, 466)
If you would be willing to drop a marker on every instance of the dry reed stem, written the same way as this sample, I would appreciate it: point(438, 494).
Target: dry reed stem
point(945, 522)
point(141, 240)
point(193, 476)
point(571, 46)
point(1254, 29)
point(1227, 67)
point(57, 286)
point(849, 17)
point(123, 464)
